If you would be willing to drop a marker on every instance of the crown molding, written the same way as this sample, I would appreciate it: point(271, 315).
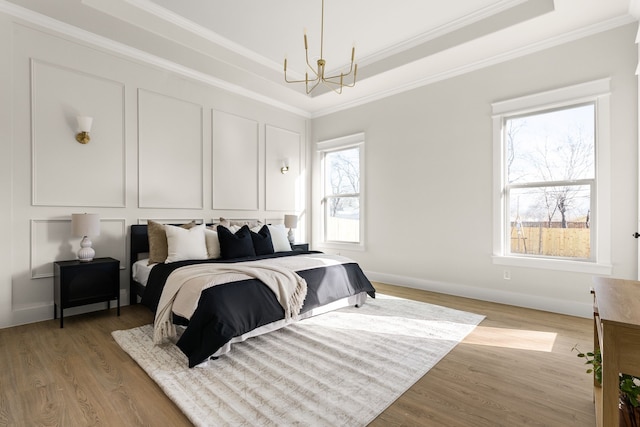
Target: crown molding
point(86, 37)
point(487, 62)
point(171, 17)
point(190, 26)
point(441, 31)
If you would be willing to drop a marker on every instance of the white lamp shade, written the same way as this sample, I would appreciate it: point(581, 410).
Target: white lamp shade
point(84, 123)
point(291, 221)
point(85, 224)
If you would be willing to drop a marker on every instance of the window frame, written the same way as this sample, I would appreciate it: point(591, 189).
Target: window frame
point(598, 93)
point(331, 146)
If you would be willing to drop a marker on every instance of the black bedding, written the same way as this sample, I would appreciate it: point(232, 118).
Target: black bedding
point(233, 309)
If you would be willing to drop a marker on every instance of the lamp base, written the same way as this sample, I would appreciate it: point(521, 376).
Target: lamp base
point(86, 252)
point(291, 236)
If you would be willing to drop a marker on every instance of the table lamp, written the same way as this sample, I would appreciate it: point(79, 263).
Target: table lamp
point(291, 222)
point(85, 225)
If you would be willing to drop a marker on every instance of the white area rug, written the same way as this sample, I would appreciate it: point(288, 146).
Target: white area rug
point(338, 369)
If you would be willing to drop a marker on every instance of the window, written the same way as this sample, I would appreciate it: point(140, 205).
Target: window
point(342, 165)
point(551, 156)
point(550, 177)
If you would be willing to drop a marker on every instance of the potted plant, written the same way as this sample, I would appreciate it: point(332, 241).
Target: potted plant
point(629, 388)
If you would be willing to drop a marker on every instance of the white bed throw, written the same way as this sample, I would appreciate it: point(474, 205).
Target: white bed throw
point(289, 288)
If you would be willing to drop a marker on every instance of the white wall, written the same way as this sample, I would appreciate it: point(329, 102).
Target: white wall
point(155, 140)
point(429, 175)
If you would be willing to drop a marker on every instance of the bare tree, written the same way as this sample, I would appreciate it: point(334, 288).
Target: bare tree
point(344, 179)
point(570, 160)
point(511, 133)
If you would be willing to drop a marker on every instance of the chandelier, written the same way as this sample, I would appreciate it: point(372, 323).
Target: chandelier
point(335, 82)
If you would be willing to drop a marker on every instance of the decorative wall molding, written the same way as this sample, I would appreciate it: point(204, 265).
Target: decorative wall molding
point(89, 38)
point(170, 174)
point(97, 178)
point(144, 221)
point(235, 162)
point(51, 240)
point(46, 235)
point(282, 190)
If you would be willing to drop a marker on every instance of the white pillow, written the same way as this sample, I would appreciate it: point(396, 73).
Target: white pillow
point(279, 238)
point(185, 244)
point(213, 243)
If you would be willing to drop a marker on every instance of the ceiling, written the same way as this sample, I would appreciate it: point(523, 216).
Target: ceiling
point(241, 44)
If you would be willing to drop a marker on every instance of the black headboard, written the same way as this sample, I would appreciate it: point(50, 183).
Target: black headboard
point(139, 244)
point(139, 241)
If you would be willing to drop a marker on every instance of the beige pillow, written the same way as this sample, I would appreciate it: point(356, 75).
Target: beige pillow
point(212, 242)
point(158, 247)
point(251, 223)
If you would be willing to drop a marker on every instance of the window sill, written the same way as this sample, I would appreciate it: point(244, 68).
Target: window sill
point(555, 264)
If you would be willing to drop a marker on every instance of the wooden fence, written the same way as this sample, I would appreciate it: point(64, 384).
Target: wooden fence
point(539, 239)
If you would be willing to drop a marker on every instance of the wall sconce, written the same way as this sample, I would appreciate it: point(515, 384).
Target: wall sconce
point(84, 126)
point(85, 225)
point(291, 222)
point(285, 166)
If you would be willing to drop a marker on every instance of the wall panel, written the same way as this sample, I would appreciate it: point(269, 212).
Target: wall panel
point(51, 240)
point(151, 156)
point(65, 172)
point(282, 146)
point(170, 152)
point(235, 162)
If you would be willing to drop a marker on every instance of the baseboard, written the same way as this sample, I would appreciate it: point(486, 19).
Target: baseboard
point(37, 313)
point(572, 308)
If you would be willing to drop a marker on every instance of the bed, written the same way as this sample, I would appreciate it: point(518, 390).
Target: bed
point(224, 300)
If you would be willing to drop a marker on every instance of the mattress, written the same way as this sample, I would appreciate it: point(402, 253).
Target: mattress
point(140, 271)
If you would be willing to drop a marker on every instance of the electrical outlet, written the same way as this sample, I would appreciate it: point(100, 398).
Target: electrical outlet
point(506, 274)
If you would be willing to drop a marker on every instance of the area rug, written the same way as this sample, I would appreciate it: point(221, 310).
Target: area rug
point(338, 369)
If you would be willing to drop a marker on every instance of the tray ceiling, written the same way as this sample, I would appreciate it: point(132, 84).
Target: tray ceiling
point(241, 44)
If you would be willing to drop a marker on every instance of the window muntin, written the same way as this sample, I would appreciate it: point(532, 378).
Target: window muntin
point(550, 180)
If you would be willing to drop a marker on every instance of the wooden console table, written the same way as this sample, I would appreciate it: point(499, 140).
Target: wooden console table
point(616, 315)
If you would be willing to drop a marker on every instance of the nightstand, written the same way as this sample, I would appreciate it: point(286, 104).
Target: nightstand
point(79, 283)
point(299, 246)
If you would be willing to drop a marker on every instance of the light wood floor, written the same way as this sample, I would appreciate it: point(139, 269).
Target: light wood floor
point(516, 368)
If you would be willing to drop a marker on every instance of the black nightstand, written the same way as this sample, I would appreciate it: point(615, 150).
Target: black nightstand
point(299, 246)
point(79, 283)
